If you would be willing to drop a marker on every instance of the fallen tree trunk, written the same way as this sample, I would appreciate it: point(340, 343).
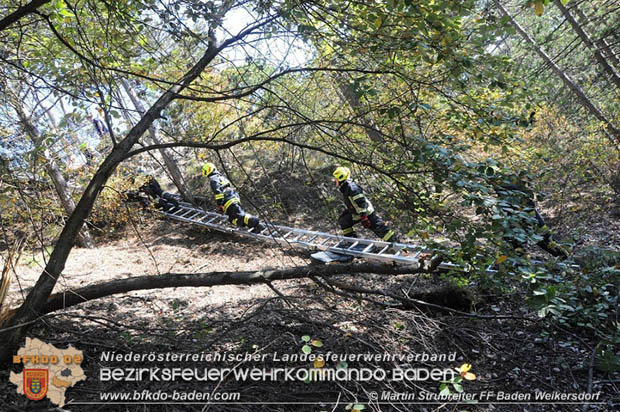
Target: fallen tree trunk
point(30, 310)
point(74, 297)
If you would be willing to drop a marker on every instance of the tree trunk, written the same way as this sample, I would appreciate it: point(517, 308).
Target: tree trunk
point(615, 77)
point(352, 99)
point(602, 43)
point(84, 238)
point(583, 99)
point(13, 332)
point(173, 169)
point(174, 280)
point(21, 12)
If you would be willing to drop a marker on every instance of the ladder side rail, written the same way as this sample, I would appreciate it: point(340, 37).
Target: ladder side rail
point(199, 216)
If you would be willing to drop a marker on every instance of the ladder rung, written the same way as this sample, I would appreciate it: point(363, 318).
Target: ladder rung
point(367, 248)
point(194, 215)
point(376, 250)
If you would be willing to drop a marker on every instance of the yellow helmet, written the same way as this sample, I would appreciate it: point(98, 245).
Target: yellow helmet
point(342, 173)
point(208, 168)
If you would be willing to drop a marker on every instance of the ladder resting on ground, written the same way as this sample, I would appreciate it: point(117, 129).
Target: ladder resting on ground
point(378, 250)
point(402, 253)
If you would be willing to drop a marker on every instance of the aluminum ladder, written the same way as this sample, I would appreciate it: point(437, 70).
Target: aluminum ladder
point(377, 250)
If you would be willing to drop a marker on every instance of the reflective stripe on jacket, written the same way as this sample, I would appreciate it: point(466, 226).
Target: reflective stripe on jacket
point(219, 184)
point(354, 198)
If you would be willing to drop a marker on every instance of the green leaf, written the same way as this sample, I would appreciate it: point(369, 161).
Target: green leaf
point(66, 13)
point(393, 112)
point(305, 28)
point(458, 387)
point(305, 338)
point(306, 349)
point(445, 392)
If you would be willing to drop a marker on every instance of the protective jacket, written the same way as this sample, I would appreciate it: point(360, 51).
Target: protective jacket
point(355, 200)
point(359, 206)
point(163, 199)
point(223, 191)
point(228, 199)
point(152, 188)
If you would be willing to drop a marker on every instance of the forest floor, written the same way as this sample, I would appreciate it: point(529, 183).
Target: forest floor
point(511, 350)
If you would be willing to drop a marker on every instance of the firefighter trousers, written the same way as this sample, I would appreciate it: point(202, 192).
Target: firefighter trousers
point(347, 220)
point(236, 215)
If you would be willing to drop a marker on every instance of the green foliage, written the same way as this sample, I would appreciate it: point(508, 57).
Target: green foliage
point(456, 382)
point(111, 211)
point(607, 359)
point(30, 207)
point(308, 343)
point(421, 99)
point(586, 298)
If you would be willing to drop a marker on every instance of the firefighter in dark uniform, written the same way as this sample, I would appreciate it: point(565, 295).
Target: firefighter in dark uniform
point(228, 202)
point(513, 190)
point(359, 209)
point(150, 192)
point(162, 200)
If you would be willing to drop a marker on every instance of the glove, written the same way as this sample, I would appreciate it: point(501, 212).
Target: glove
point(365, 222)
point(220, 209)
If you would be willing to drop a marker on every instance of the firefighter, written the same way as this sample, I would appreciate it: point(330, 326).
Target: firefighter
point(514, 192)
point(228, 202)
point(151, 188)
point(358, 208)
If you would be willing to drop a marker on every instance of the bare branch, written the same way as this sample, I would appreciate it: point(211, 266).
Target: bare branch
point(23, 11)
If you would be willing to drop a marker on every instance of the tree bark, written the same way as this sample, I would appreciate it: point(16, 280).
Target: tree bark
point(602, 43)
point(173, 169)
point(16, 327)
point(21, 12)
point(84, 239)
point(356, 105)
point(615, 77)
point(174, 280)
point(583, 99)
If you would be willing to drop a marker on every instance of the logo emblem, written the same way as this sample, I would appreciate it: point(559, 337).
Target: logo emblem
point(36, 383)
